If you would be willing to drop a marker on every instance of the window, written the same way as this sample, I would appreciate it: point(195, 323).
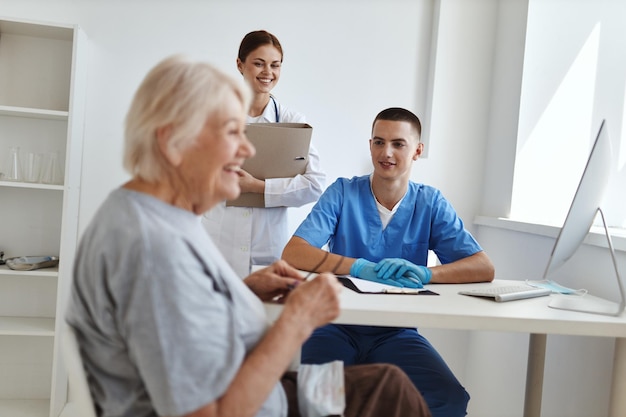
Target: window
point(574, 77)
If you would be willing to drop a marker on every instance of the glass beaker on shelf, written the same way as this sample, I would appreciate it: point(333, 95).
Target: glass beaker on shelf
point(31, 168)
point(51, 169)
point(13, 166)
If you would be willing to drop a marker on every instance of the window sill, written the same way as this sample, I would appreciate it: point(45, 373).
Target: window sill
point(596, 236)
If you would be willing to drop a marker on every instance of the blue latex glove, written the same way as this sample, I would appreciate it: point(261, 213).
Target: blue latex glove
point(397, 267)
point(364, 269)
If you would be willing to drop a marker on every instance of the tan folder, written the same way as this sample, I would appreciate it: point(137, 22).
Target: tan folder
point(282, 151)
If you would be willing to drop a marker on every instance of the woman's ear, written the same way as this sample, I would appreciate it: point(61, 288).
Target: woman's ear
point(239, 66)
point(171, 153)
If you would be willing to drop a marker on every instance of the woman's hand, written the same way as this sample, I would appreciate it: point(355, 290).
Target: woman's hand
point(250, 184)
point(277, 280)
point(314, 303)
point(308, 304)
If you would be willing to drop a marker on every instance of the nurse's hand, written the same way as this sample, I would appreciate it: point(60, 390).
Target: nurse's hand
point(364, 269)
point(249, 184)
point(398, 267)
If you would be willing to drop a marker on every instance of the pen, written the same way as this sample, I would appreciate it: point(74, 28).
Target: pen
point(402, 290)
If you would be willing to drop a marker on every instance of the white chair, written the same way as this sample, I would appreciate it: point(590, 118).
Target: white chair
point(79, 395)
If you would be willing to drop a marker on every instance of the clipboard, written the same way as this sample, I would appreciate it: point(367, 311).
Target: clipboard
point(367, 287)
point(282, 151)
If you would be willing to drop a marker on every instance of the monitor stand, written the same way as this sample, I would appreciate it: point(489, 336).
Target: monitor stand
point(588, 303)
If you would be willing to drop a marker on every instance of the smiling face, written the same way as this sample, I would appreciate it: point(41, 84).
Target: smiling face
point(261, 68)
point(210, 167)
point(393, 147)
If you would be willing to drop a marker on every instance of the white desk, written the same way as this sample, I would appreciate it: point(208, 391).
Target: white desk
point(450, 310)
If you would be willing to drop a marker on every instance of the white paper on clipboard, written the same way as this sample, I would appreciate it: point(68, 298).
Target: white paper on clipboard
point(370, 287)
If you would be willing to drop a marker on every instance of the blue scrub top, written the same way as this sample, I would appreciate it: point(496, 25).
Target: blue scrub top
point(346, 217)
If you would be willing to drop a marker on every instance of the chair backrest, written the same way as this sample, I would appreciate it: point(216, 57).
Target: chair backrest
point(79, 395)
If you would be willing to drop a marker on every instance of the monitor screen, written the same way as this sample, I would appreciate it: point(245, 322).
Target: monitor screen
point(582, 212)
point(586, 202)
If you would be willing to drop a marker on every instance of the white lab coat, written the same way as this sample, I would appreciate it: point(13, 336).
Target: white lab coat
point(249, 236)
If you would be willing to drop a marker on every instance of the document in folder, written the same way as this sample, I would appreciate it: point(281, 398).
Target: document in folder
point(282, 151)
point(368, 287)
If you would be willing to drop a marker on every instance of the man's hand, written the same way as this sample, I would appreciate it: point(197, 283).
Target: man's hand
point(397, 267)
point(364, 269)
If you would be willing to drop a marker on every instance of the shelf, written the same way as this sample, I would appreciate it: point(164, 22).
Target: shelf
point(33, 185)
point(44, 272)
point(24, 408)
point(26, 326)
point(33, 113)
point(42, 102)
point(36, 29)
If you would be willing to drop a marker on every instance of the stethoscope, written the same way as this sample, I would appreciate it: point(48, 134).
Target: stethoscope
point(275, 109)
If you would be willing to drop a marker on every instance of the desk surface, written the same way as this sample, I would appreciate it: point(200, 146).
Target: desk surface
point(450, 310)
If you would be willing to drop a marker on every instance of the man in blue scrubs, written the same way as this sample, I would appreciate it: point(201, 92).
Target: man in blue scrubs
point(380, 227)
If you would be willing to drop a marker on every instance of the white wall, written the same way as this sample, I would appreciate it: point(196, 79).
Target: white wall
point(345, 61)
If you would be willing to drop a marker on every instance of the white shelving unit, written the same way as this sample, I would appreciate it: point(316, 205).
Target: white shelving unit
point(42, 90)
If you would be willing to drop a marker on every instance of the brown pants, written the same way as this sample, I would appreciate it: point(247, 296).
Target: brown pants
point(371, 391)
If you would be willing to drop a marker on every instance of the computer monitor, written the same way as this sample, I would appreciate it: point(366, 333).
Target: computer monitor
point(582, 212)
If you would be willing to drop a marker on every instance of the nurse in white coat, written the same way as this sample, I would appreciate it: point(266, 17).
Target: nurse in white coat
point(249, 236)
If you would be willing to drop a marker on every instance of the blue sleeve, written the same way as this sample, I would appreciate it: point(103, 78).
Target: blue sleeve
point(319, 226)
point(449, 239)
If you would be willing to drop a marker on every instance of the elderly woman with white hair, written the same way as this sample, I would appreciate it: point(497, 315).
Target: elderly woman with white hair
point(165, 327)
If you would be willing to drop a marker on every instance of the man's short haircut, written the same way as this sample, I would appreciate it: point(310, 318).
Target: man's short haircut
point(398, 114)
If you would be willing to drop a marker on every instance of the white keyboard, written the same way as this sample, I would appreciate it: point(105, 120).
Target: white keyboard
point(507, 293)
